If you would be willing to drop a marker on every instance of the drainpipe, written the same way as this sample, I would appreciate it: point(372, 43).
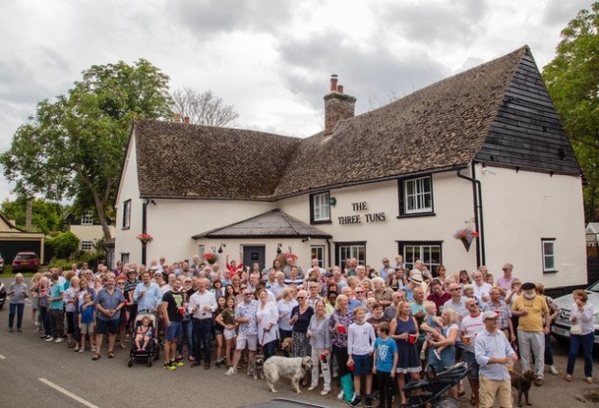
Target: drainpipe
point(478, 215)
point(329, 251)
point(144, 229)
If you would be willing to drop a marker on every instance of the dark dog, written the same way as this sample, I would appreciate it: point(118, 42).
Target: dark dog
point(256, 366)
point(522, 382)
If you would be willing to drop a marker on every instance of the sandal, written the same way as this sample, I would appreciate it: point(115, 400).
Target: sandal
point(96, 356)
point(111, 354)
point(122, 346)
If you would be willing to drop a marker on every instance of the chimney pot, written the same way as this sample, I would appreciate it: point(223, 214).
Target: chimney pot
point(186, 120)
point(337, 106)
point(333, 83)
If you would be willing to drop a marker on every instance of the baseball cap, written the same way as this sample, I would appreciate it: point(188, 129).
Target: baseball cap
point(489, 314)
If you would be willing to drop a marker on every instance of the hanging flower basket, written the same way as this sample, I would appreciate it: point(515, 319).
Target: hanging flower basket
point(466, 235)
point(145, 238)
point(210, 257)
point(282, 258)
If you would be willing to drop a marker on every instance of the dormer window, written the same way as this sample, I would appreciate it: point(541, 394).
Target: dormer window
point(87, 220)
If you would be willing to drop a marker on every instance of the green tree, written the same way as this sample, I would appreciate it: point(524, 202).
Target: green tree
point(572, 79)
point(74, 146)
point(46, 215)
point(64, 244)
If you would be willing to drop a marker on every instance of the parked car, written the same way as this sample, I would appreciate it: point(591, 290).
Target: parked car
point(25, 262)
point(560, 327)
point(1, 264)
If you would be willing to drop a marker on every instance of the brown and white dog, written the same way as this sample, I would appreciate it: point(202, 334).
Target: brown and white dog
point(522, 382)
point(294, 368)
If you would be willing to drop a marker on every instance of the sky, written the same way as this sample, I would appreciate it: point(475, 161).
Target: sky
point(271, 59)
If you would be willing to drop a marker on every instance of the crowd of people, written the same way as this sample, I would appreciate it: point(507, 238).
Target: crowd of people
point(373, 329)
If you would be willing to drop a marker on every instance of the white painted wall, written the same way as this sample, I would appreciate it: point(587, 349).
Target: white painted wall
point(172, 223)
point(125, 241)
point(522, 207)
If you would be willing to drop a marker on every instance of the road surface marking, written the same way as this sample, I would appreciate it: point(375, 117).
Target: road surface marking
point(68, 393)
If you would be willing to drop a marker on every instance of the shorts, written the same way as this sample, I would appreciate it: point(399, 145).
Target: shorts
point(229, 334)
point(251, 340)
point(362, 364)
point(469, 358)
point(218, 330)
point(107, 326)
point(174, 331)
point(87, 328)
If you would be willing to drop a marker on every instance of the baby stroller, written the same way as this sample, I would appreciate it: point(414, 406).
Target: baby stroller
point(152, 350)
point(429, 392)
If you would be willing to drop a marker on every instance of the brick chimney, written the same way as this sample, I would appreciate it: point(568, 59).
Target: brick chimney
point(337, 106)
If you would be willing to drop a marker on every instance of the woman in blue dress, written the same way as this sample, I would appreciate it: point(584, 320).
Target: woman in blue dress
point(404, 330)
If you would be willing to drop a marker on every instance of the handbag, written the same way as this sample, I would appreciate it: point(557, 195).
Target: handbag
point(575, 329)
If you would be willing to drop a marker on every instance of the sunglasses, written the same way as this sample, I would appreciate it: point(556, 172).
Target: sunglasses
point(473, 304)
point(454, 289)
point(358, 291)
point(301, 297)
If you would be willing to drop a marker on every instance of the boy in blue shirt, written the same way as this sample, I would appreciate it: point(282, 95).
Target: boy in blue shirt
point(385, 362)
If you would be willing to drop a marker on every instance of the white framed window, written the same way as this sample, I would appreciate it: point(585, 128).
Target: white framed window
point(126, 214)
point(320, 207)
point(428, 252)
point(548, 248)
point(124, 257)
point(416, 196)
point(317, 252)
point(87, 246)
point(87, 220)
point(348, 250)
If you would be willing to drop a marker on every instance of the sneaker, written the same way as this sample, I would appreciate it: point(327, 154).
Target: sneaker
point(170, 366)
point(341, 394)
point(178, 363)
point(325, 391)
point(231, 371)
point(355, 401)
point(82, 350)
point(50, 338)
point(310, 388)
point(553, 370)
point(10, 330)
point(436, 352)
point(59, 340)
point(423, 355)
point(539, 381)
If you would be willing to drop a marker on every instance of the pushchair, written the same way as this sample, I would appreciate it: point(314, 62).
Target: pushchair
point(429, 392)
point(152, 350)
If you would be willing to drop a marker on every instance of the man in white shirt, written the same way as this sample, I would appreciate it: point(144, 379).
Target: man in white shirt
point(201, 306)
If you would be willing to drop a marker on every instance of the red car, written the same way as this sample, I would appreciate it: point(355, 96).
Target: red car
point(25, 262)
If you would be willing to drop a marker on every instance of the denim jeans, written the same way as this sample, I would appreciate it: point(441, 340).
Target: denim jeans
point(45, 317)
point(15, 308)
point(586, 341)
point(202, 330)
point(188, 336)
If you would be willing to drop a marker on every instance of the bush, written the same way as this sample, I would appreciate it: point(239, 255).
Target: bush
point(64, 244)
